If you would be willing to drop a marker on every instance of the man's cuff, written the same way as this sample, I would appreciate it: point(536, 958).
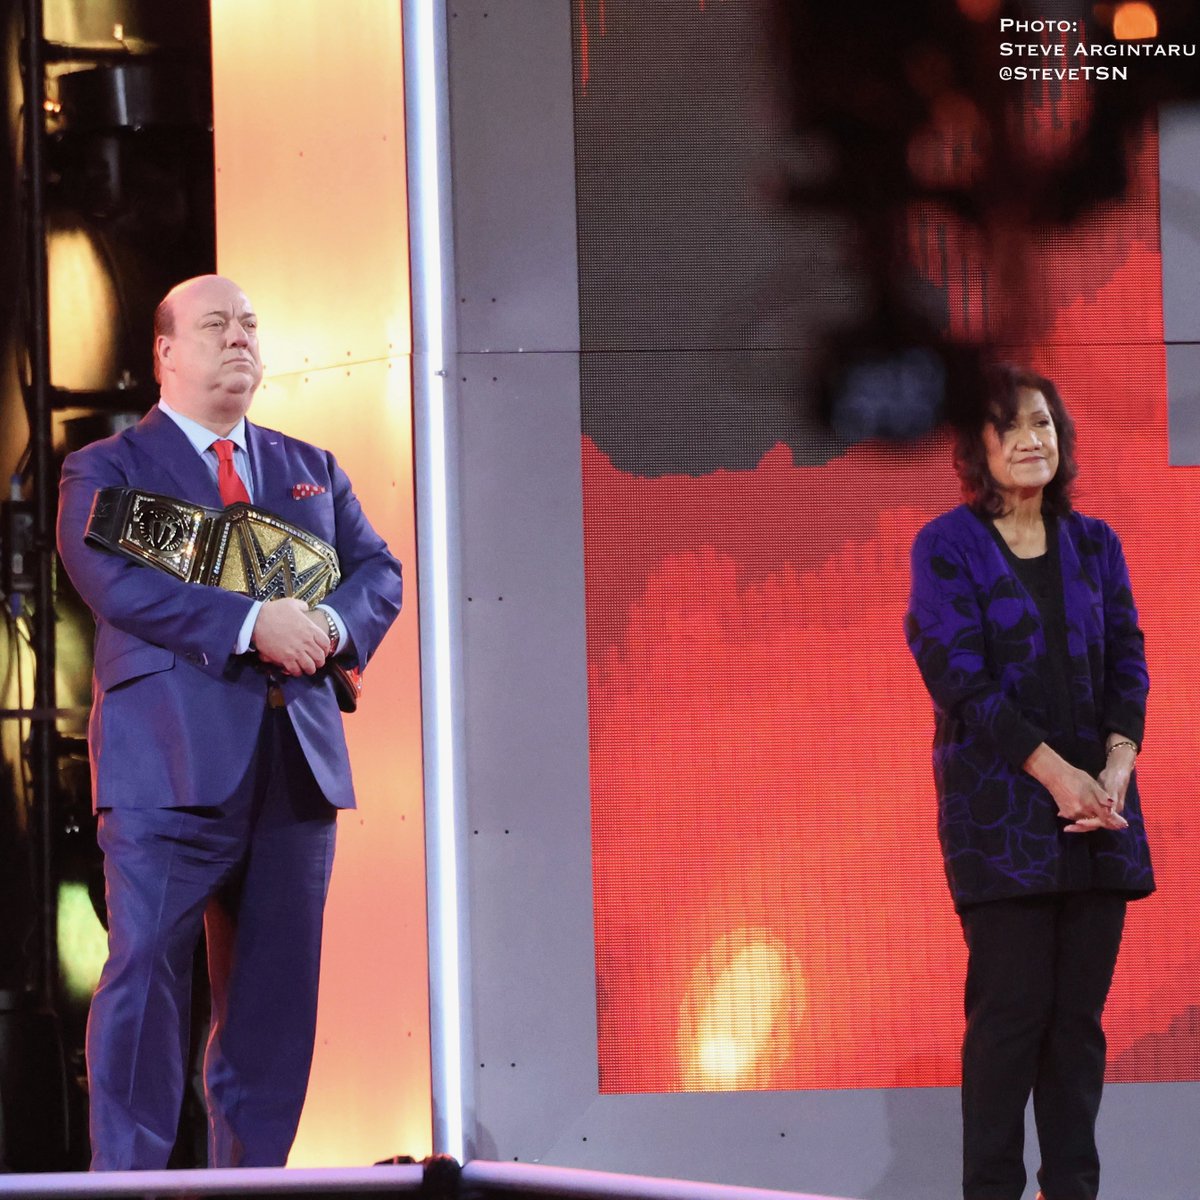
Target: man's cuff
point(247, 631)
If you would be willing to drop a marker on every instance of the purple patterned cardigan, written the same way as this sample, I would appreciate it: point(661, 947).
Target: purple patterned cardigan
point(977, 637)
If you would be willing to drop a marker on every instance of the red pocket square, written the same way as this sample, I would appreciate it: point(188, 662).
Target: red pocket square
point(302, 491)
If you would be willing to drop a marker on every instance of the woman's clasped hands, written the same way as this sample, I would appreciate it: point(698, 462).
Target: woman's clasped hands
point(1088, 803)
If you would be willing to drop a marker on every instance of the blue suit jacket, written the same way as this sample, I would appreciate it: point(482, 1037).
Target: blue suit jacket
point(977, 637)
point(175, 716)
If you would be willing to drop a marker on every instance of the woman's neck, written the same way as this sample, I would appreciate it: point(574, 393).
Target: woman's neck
point(1025, 508)
point(1022, 526)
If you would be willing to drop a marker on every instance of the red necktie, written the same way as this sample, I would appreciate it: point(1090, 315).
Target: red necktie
point(229, 482)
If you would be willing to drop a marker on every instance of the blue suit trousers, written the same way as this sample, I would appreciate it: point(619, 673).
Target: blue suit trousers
point(254, 873)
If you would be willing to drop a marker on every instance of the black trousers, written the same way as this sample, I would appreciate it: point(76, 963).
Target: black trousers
point(1038, 974)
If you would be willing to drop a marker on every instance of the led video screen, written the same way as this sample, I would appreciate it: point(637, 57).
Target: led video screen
point(770, 906)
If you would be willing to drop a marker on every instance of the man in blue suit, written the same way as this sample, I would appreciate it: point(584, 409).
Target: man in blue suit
point(218, 756)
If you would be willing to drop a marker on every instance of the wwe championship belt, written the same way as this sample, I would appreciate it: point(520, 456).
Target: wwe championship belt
point(240, 549)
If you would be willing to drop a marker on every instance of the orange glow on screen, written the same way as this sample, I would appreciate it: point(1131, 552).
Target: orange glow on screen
point(735, 1025)
point(1131, 21)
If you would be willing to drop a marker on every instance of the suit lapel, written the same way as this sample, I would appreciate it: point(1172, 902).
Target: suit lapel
point(177, 470)
point(268, 459)
point(174, 460)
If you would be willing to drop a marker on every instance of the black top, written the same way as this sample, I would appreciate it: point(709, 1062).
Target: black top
point(1041, 577)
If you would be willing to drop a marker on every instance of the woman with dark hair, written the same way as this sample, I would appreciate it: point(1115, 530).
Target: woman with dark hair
point(1023, 625)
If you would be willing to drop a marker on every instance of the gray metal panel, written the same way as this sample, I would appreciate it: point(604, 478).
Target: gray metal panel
point(1179, 184)
point(832, 1143)
point(1183, 404)
point(514, 177)
point(529, 840)
point(1148, 1143)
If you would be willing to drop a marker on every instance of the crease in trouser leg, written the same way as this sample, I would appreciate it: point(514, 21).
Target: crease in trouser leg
point(266, 943)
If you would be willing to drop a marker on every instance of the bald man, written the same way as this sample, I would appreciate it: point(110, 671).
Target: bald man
point(218, 757)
